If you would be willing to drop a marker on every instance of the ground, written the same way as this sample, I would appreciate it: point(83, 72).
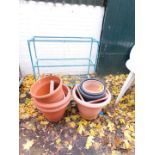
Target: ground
point(112, 133)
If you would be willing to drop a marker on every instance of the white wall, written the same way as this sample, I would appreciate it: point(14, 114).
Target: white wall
point(39, 18)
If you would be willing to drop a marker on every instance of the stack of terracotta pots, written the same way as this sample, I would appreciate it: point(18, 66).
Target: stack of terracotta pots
point(91, 96)
point(51, 97)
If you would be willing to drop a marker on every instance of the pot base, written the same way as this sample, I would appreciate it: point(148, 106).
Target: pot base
point(55, 116)
point(55, 111)
point(89, 110)
point(88, 113)
point(88, 117)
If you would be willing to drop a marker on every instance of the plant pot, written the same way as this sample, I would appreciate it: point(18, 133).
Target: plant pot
point(41, 90)
point(55, 111)
point(94, 101)
point(92, 89)
point(90, 97)
point(89, 110)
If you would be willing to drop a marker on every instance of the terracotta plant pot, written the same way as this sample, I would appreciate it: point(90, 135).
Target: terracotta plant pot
point(55, 111)
point(93, 86)
point(41, 90)
point(89, 110)
point(92, 89)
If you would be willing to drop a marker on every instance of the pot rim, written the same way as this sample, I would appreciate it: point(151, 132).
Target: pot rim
point(53, 105)
point(93, 94)
point(90, 96)
point(87, 82)
point(88, 104)
point(49, 94)
point(103, 98)
point(43, 110)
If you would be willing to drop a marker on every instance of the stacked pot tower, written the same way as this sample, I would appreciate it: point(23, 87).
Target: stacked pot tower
point(52, 97)
point(51, 102)
point(91, 96)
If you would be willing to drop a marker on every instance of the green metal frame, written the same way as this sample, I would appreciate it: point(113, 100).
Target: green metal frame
point(35, 60)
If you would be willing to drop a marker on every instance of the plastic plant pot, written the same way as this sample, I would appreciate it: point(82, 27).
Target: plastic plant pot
point(55, 111)
point(101, 99)
point(41, 90)
point(90, 97)
point(88, 110)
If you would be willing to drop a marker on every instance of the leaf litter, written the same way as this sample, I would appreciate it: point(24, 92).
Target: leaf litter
point(110, 134)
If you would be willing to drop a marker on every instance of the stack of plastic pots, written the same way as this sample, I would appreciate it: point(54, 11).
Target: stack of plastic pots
point(91, 95)
point(52, 102)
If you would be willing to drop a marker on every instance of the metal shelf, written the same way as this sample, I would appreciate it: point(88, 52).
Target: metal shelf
point(65, 62)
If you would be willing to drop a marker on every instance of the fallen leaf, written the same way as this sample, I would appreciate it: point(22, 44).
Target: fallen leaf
point(127, 135)
point(29, 126)
point(67, 119)
point(99, 126)
point(22, 95)
point(83, 122)
point(114, 152)
point(118, 141)
point(70, 147)
point(72, 124)
point(122, 121)
point(24, 116)
point(110, 126)
point(126, 144)
point(44, 122)
point(28, 144)
point(75, 117)
point(80, 129)
point(101, 134)
point(40, 118)
point(58, 141)
point(89, 142)
point(27, 101)
point(92, 132)
point(92, 124)
point(131, 128)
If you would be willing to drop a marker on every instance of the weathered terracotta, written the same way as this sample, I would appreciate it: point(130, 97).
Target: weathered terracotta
point(93, 86)
point(55, 111)
point(89, 110)
point(40, 90)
